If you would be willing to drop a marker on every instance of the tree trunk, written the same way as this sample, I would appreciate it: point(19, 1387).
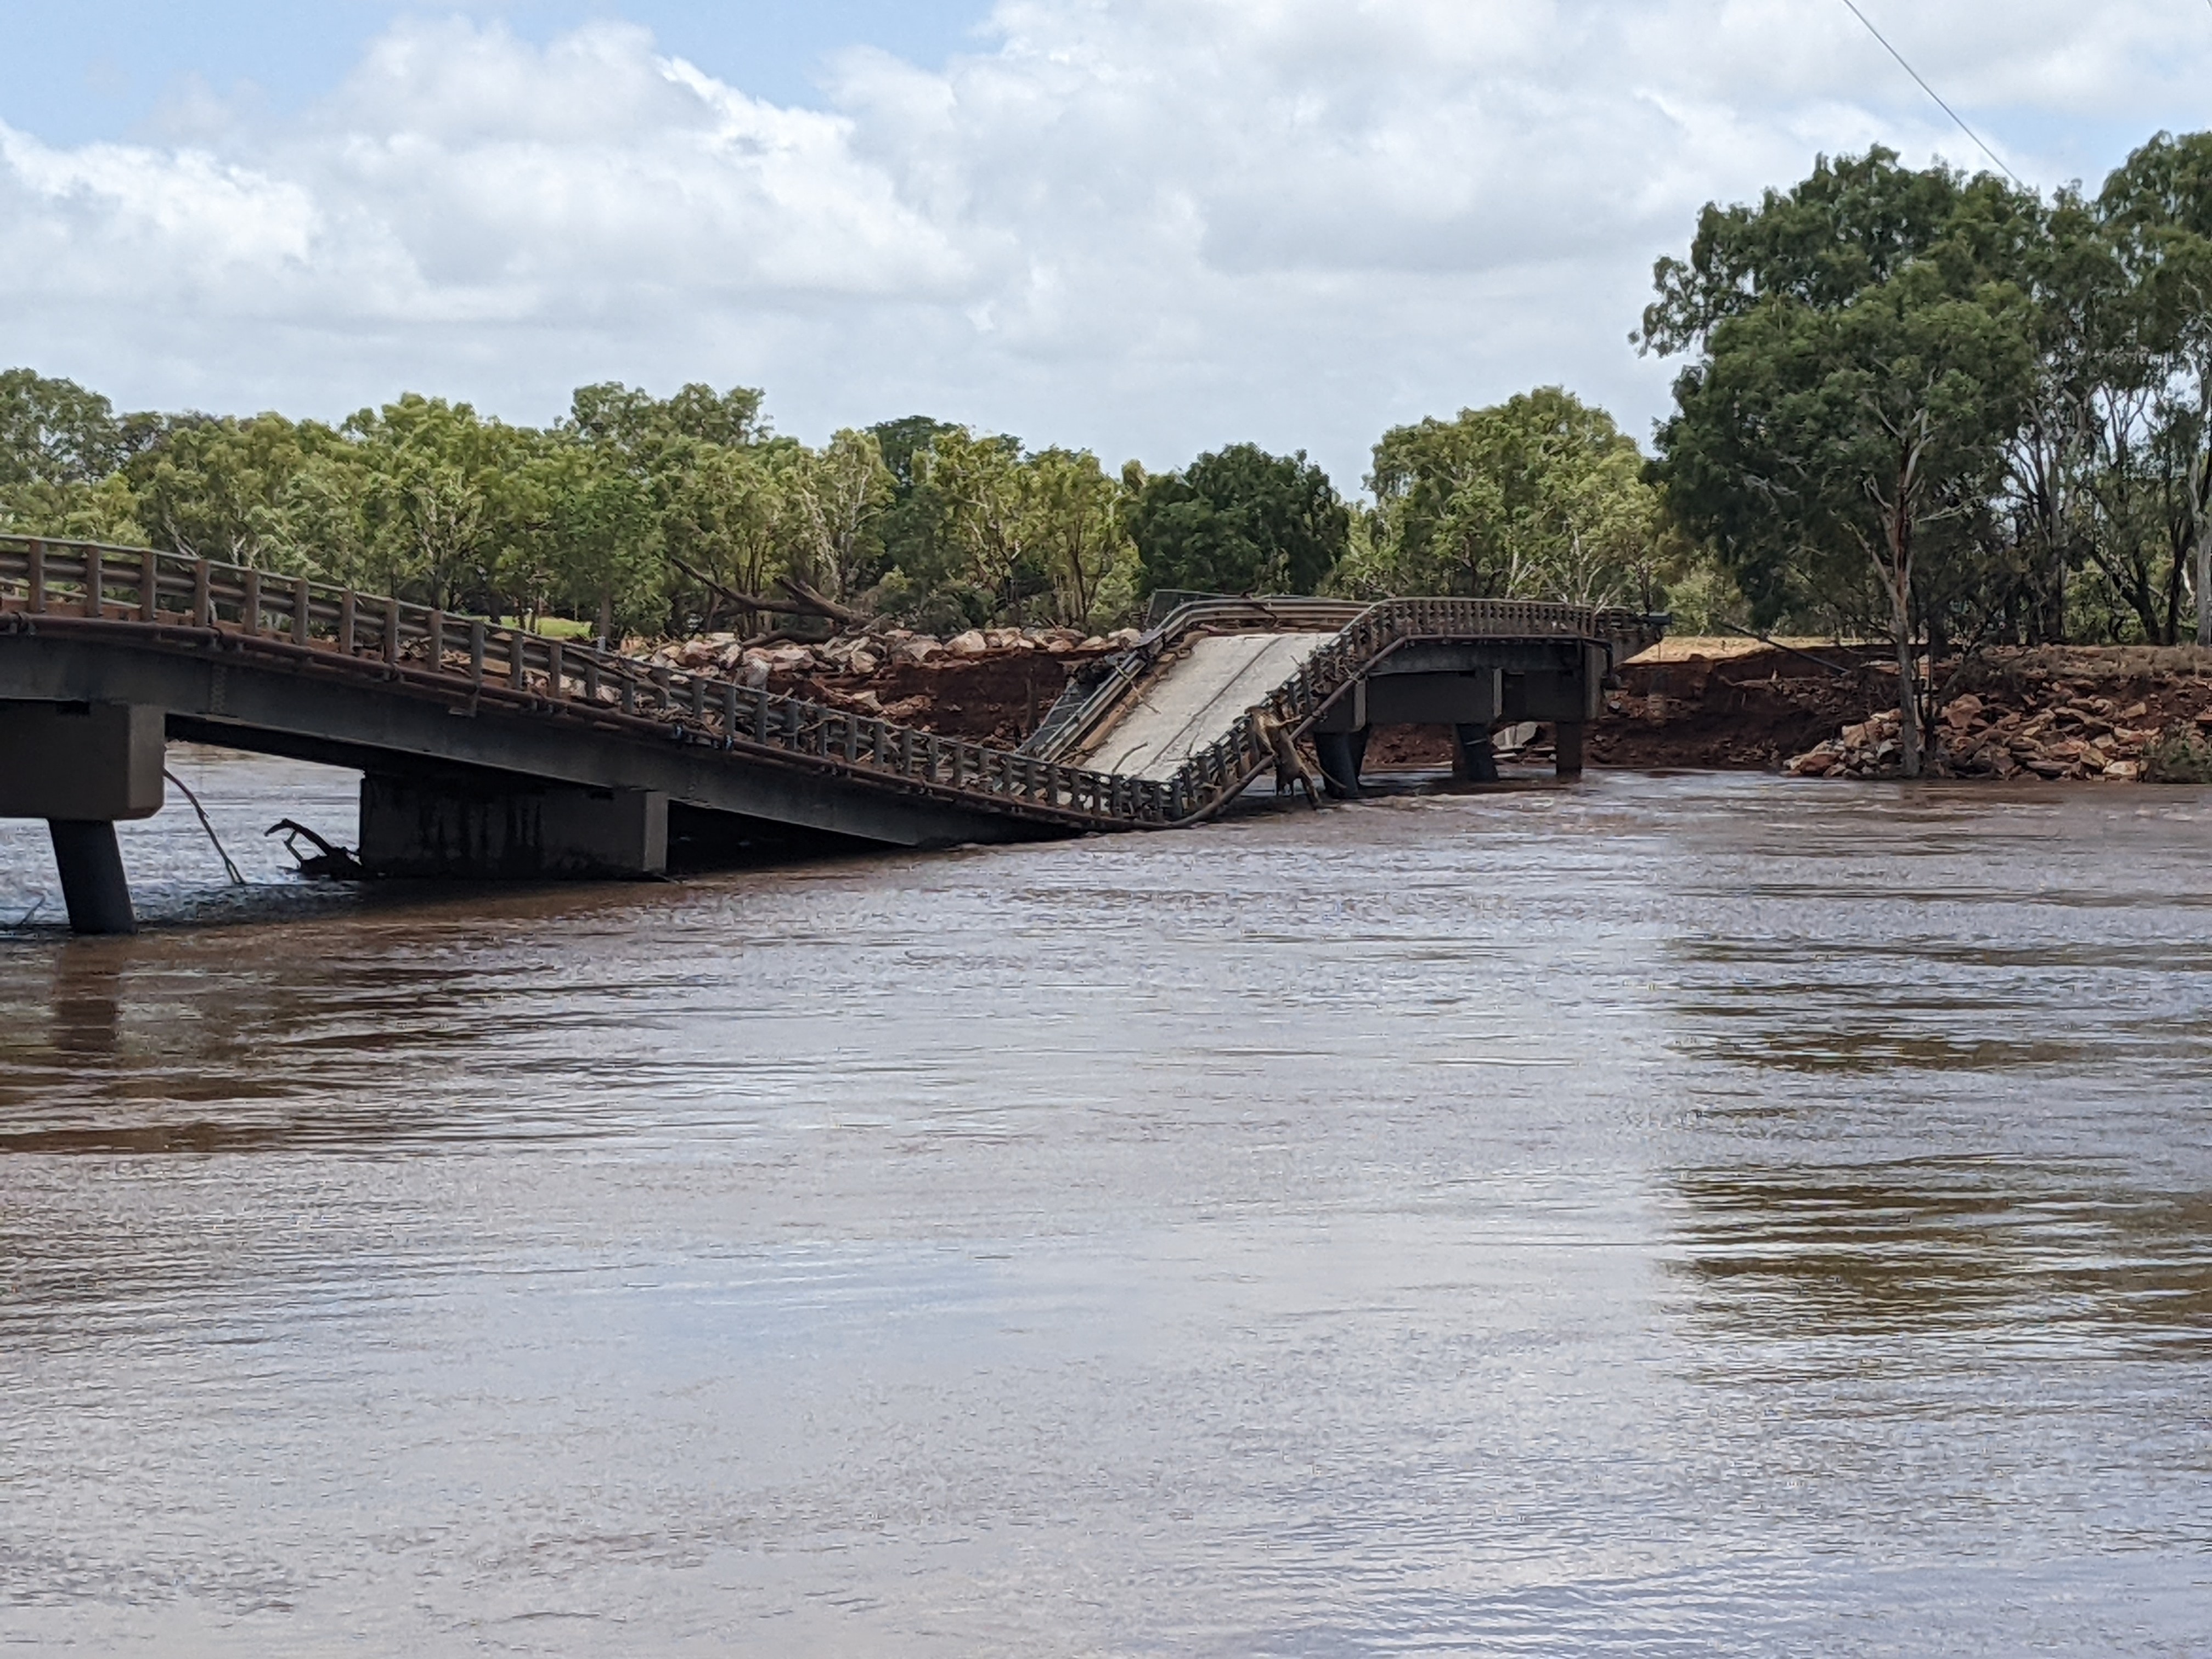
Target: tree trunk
point(1908, 688)
point(2201, 536)
point(2203, 587)
point(1895, 564)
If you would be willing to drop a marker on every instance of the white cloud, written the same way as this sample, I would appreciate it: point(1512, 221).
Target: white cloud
point(1146, 227)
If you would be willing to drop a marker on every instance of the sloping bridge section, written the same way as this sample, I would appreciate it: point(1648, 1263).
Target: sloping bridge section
point(1468, 664)
point(488, 750)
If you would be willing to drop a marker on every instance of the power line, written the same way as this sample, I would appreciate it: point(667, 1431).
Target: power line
point(1937, 96)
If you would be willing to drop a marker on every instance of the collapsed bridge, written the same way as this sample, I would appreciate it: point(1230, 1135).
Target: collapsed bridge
point(492, 751)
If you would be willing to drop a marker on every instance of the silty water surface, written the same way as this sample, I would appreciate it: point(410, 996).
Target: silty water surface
point(1677, 1214)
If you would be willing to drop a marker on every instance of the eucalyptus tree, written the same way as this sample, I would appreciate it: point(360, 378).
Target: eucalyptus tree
point(1541, 497)
point(1865, 357)
point(1239, 520)
point(2157, 208)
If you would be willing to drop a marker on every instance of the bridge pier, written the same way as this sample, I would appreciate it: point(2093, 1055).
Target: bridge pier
point(1341, 754)
point(495, 829)
point(1567, 750)
point(94, 885)
point(81, 766)
point(1473, 759)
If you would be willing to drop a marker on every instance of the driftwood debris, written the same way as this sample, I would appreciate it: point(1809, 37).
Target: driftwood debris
point(331, 862)
point(1291, 772)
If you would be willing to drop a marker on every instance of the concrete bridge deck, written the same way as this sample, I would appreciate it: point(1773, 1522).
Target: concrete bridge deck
point(488, 750)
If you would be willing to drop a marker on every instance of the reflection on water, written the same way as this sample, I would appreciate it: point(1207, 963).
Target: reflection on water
point(2007, 1254)
point(1670, 1215)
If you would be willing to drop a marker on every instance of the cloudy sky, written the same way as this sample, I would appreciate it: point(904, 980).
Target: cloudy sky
point(1145, 226)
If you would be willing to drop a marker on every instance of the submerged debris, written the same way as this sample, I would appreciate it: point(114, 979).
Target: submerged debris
point(328, 861)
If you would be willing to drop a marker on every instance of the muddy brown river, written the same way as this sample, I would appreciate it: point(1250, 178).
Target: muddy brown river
point(1674, 1215)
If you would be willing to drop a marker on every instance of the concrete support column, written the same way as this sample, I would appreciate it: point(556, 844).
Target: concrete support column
point(93, 886)
point(1473, 761)
point(81, 766)
point(1339, 754)
point(1567, 749)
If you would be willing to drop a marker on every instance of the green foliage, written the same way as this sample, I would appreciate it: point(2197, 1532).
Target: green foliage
point(1031, 536)
point(60, 445)
point(1819, 448)
point(223, 488)
point(1239, 520)
point(2181, 755)
point(2056, 354)
point(55, 432)
point(1539, 497)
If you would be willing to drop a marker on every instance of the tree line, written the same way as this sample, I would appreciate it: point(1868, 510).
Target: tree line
point(687, 513)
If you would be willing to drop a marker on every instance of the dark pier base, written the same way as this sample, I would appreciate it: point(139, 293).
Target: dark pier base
point(1567, 749)
point(93, 886)
point(1474, 759)
point(1341, 754)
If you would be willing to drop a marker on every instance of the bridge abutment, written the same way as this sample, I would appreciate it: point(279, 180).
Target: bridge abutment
point(81, 766)
point(491, 831)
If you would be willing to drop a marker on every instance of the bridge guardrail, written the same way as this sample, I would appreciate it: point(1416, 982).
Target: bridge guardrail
point(169, 595)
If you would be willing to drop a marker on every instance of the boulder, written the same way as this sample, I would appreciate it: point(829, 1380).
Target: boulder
point(969, 644)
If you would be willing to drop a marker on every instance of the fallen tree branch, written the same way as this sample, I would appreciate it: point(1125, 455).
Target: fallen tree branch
point(805, 600)
point(822, 605)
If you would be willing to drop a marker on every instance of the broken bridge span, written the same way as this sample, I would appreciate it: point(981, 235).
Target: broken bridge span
point(486, 750)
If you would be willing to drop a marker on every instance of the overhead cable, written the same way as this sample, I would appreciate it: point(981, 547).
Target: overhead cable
point(1937, 96)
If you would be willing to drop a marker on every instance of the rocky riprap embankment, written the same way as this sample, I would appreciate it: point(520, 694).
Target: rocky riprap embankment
point(987, 684)
point(2118, 715)
point(861, 654)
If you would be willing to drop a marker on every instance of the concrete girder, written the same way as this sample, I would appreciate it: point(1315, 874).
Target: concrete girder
point(248, 705)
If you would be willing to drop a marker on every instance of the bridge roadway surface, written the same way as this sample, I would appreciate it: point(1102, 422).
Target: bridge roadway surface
point(488, 752)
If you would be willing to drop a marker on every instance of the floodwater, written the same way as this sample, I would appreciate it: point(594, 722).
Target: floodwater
point(1673, 1215)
